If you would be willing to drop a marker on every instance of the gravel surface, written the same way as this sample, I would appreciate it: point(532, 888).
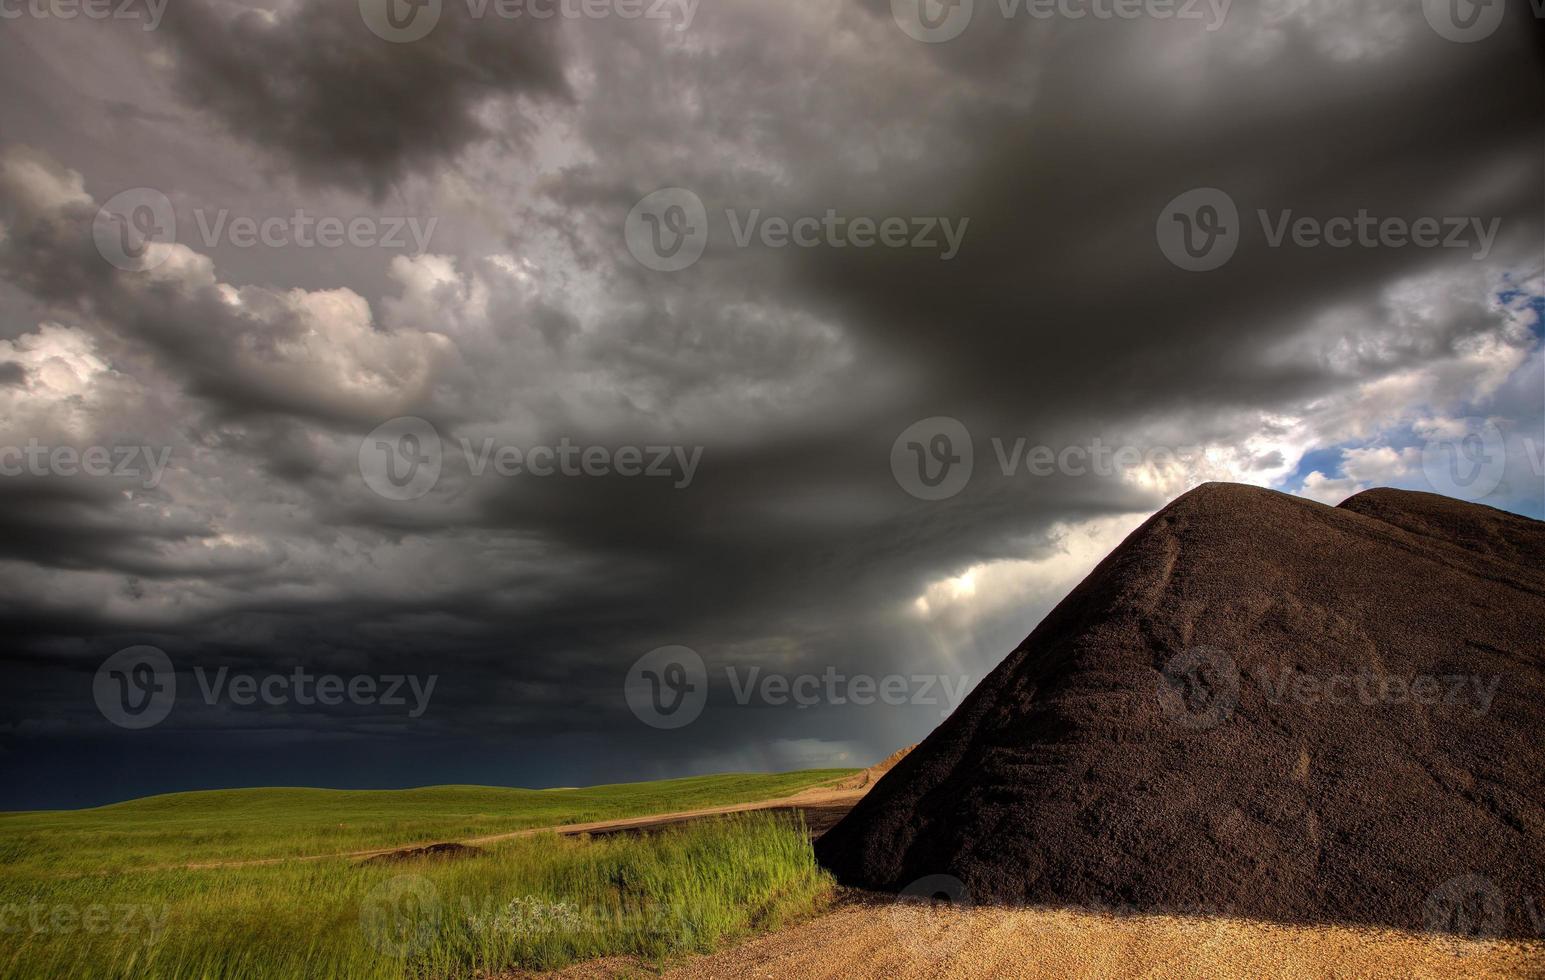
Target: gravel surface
point(1257, 707)
point(875, 939)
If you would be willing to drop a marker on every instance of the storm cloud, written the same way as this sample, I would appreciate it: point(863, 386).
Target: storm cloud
point(826, 317)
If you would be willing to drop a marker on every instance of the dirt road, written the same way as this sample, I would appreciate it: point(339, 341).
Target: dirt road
point(873, 938)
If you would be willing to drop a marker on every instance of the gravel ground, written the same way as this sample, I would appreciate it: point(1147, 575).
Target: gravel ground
point(872, 938)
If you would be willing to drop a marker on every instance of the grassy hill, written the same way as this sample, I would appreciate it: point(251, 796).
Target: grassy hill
point(222, 825)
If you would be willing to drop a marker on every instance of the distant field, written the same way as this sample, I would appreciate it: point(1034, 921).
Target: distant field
point(530, 903)
point(225, 825)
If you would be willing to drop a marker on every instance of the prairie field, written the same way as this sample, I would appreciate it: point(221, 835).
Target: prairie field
point(258, 824)
point(141, 889)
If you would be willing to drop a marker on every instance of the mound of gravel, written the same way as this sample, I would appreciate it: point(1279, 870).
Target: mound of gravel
point(1256, 706)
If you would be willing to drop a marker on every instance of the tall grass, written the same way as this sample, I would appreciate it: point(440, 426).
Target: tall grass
point(530, 903)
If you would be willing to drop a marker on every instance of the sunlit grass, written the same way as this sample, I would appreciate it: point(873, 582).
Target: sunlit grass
point(261, 823)
point(533, 903)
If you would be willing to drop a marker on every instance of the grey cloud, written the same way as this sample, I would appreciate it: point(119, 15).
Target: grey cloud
point(345, 107)
point(795, 370)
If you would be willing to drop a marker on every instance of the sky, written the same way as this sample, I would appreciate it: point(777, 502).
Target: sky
point(561, 392)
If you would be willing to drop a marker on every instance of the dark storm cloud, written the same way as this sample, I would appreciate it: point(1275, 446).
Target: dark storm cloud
point(78, 523)
point(1061, 305)
point(1061, 317)
point(343, 106)
point(794, 370)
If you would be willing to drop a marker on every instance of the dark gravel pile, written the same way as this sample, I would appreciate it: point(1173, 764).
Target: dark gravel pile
point(1257, 706)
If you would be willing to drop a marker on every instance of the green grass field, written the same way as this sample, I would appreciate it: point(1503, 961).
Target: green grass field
point(226, 825)
point(90, 894)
